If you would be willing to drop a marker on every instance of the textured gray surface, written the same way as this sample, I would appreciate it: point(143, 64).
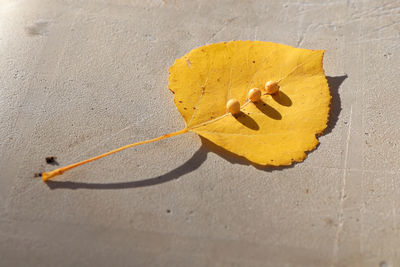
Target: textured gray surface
point(78, 78)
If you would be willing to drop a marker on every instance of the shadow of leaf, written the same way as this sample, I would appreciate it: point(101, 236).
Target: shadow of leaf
point(236, 159)
point(192, 164)
point(336, 106)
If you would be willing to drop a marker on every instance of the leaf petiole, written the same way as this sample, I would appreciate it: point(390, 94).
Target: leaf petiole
point(48, 175)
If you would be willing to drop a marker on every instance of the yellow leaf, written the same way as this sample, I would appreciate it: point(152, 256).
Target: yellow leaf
point(277, 130)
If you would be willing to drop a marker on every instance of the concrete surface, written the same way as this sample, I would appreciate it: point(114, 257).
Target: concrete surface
point(78, 78)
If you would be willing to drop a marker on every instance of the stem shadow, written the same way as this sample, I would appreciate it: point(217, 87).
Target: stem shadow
point(190, 165)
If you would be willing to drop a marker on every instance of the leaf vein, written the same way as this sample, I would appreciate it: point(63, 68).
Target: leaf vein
point(203, 89)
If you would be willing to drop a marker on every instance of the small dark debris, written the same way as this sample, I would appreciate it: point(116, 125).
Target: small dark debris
point(168, 211)
point(388, 55)
point(264, 104)
point(51, 160)
point(39, 174)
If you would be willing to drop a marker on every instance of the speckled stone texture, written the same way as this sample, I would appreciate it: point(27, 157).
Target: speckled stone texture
point(78, 78)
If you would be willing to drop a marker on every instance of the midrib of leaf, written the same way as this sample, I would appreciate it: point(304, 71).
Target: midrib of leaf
point(215, 119)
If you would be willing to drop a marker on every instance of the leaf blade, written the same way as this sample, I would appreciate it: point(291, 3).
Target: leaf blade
point(276, 131)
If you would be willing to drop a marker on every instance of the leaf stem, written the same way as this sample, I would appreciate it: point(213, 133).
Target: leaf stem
point(48, 175)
